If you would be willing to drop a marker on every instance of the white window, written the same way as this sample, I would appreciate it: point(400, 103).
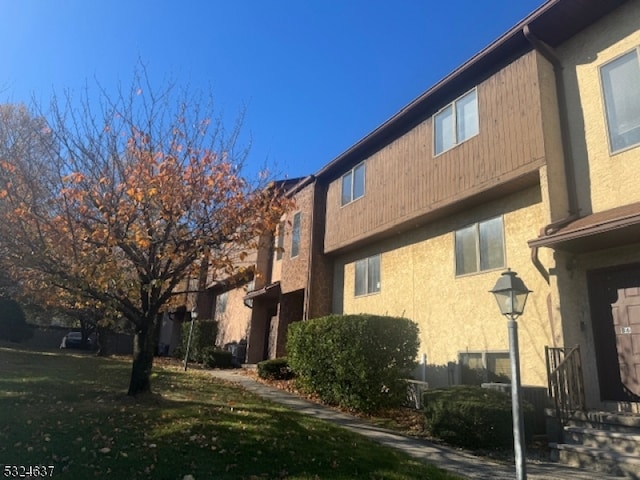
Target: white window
point(456, 123)
point(353, 184)
point(621, 87)
point(367, 279)
point(480, 247)
point(295, 235)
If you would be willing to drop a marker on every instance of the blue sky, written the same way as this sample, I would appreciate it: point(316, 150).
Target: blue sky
point(315, 75)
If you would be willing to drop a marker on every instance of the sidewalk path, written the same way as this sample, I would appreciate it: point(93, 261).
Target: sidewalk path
point(455, 461)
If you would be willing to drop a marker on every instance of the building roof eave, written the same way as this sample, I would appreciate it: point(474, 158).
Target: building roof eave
point(553, 22)
point(610, 228)
point(269, 291)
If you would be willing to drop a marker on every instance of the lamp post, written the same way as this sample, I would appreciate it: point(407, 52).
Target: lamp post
point(194, 317)
point(511, 294)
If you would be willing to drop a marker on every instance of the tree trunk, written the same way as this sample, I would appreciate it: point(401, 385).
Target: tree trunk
point(144, 346)
point(104, 341)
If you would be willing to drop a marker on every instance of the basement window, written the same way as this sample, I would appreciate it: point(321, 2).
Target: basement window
point(484, 367)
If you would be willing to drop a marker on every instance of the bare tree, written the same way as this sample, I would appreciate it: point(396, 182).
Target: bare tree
point(138, 187)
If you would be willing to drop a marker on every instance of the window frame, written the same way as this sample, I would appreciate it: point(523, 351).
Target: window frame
point(367, 290)
point(487, 358)
point(454, 114)
point(222, 300)
point(605, 105)
point(477, 241)
point(295, 234)
point(280, 241)
point(352, 184)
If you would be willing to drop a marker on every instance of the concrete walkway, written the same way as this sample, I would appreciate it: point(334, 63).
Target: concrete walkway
point(455, 461)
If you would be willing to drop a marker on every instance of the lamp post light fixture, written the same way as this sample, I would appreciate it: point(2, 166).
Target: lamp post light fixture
point(511, 294)
point(194, 317)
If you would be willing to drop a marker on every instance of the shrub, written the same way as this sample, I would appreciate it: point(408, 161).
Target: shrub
point(355, 361)
point(208, 356)
point(178, 352)
point(13, 324)
point(213, 357)
point(276, 369)
point(478, 376)
point(473, 417)
point(203, 336)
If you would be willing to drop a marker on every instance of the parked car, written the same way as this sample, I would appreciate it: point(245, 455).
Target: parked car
point(74, 340)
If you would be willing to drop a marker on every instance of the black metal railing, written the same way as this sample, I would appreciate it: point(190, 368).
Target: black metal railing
point(566, 384)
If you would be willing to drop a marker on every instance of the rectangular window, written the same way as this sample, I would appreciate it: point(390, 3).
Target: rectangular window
point(280, 241)
point(483, 367)
point(295, 235)
point(480, 247)
point(621, 87)
point(456, 122)
point(353, 184)
point(367, 279)
point(221, 304)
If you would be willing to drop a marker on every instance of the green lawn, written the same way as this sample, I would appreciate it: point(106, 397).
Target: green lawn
point(70, 411)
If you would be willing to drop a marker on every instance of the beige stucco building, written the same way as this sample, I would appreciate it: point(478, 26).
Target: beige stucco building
point(458, 318)
point(514, 160)
point(595, 267)
point(525, 157)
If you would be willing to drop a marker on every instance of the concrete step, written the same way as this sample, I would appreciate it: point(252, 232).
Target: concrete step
point(597, 460)
point(615, 422)
point(619, 442)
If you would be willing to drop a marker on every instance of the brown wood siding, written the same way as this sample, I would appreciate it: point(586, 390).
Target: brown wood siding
point(405, 181)
point(294, 271)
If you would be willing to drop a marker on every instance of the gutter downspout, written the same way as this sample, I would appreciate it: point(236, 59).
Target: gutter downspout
point(570, 178)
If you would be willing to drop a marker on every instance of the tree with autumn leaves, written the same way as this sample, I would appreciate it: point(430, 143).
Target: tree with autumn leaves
point(124, 200)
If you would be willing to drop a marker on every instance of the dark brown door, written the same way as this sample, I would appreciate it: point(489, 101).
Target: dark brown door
point(626, 322)
point(615, 312)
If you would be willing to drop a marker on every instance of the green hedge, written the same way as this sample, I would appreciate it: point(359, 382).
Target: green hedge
point(203, 337)
point(275, 369)
point(355, 361)
point(13, 323)
point(213, 357)
point(473, 417)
